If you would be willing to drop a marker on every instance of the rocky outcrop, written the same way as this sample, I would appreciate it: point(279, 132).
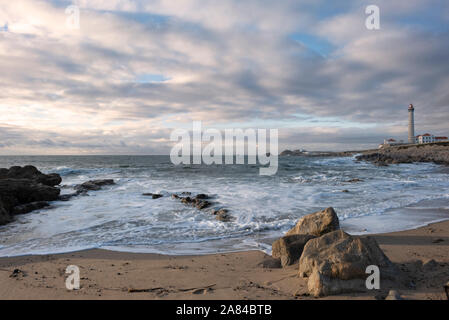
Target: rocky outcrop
point(317, 223)
point(289, 248)
point(30, 173)
point(336, 263)
point(201, 202)
point(28, 207)
point(24, 189)
point(4, 215)
point(222, 215)
point(93, 185)
point(437, 153)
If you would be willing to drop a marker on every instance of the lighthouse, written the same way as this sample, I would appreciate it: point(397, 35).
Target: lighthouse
point(411, 124)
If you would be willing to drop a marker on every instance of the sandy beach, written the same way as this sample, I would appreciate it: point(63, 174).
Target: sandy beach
point(241, 276)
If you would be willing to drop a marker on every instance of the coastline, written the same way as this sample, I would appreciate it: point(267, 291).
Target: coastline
point(422, 254)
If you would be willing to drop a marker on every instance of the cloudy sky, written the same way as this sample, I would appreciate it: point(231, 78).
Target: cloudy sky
point(136, 70)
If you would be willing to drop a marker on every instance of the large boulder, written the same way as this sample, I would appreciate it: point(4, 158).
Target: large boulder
point(336, 263)
point(14, 192)
point(30, 173)
point(289, 248)
point(317, 223)
point(4, 215)
point(24, 189)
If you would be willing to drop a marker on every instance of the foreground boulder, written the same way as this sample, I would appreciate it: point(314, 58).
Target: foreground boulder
point(336, 263)
point(317, 224)
point(289, 248)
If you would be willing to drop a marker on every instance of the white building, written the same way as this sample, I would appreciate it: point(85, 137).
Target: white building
point(429, 138)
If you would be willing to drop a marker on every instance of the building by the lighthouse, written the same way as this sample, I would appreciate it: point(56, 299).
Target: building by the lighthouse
point(412, 139)
point(411, 124)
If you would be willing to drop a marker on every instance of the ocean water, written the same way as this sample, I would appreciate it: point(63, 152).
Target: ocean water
point(120, 218)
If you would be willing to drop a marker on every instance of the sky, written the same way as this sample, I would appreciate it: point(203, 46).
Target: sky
point(136, 70)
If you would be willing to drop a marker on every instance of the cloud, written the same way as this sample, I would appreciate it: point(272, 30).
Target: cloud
point(227, 62)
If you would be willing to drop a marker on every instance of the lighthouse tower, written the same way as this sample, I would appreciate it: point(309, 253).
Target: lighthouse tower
point(411, 124)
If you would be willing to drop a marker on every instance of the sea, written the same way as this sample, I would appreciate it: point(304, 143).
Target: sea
point(121, 218)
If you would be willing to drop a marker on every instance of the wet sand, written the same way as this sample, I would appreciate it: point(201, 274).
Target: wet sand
point(243, 275)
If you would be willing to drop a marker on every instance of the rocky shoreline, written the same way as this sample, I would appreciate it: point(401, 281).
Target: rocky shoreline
point(437, 153)
point(25, 189)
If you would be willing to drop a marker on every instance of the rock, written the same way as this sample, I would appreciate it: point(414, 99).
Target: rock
point(202, 196)
point(4, 215)
point(14, 192)
point(24, 189)
point(289, 248)
point(68, 196)
point(30, 173)
point(199, 203)
point(153, 195)
point(393, 295)
point(94, 185)
point(202, 204)
point(345, 191)
point(336, 263)
point(186, 200)
point(28, 207)
point(429, 265)
point(446, 289)
point(270, 263)
point(222, 215)
point(355, 180)
point(317, 223)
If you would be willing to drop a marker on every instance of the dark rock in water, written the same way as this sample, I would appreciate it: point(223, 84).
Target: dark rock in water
point(24, 189)
point(222, 215)
point(153, 195)
point(355, 180)
point(94, 185)
point(68, 196)
point(289, 248)
point(30, 173)
point(317, 223)
point(26, 208)
point(336, 263)
point(14, 192)
point(186, 200)
point(202, 204)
